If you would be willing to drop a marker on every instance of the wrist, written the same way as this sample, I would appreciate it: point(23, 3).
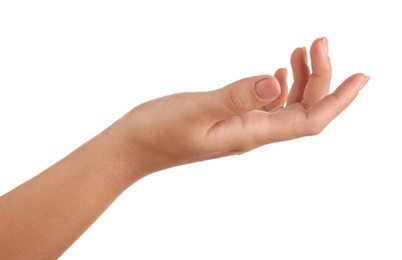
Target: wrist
point(123, 158)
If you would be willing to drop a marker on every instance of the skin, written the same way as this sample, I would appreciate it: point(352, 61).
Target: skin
point(42, 217)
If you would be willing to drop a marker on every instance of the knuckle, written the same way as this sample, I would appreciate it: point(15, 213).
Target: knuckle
point(309, 127)
point(234, 103)
point(324, 71)
point(315, 129)
point(241, 149)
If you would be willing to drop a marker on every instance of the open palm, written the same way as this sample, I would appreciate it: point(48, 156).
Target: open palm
point(246, 114)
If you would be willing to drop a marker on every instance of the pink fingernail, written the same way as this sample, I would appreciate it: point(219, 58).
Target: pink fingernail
point(364, 82)
point(268, 88)
point(325, 45)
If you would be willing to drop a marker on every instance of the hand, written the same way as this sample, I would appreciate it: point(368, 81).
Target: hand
point(189, 127)
point(65, 199)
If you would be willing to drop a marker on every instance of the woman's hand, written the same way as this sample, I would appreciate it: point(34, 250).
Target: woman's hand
point(46, 214)
point(189, 127)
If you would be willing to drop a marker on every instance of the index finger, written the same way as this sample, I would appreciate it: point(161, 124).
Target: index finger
point(328, 108)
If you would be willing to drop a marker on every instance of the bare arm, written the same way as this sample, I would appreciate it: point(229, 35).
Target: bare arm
point(41, 218)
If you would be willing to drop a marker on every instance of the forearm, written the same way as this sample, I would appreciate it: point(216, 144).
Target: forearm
point(41, 218)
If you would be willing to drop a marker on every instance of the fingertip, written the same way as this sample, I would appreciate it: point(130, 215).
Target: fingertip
point(317, 41)
point(299, 59)
point(359, 80)
point(324, 44)
point(364, 82)
point(297, 53)
point(281, 72)
point(319, 47)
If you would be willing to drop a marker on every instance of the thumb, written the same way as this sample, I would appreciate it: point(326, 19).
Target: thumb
point(242, 96)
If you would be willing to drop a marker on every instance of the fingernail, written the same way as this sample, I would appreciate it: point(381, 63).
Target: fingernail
point(325, 45)
point(364, 82)
point(304, 52)
point(268, 88)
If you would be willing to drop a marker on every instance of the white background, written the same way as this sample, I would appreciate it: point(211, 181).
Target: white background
point(68, 69)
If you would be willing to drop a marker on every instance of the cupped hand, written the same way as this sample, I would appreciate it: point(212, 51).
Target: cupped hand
point(255, 111)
